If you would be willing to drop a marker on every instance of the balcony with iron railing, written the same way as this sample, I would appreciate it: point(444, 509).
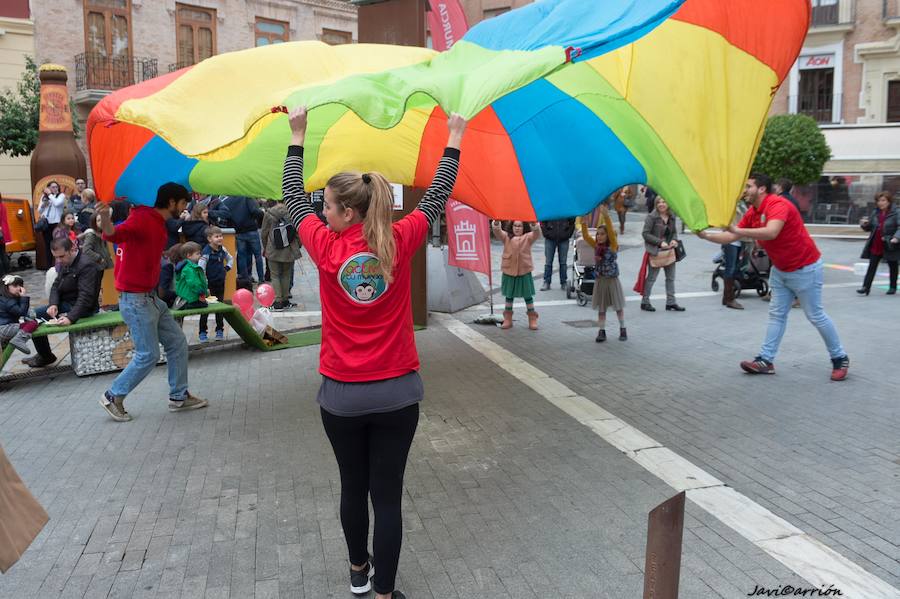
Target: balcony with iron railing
point(96, 74)
point(176, 66)
point(834, 17)
point(818, 106)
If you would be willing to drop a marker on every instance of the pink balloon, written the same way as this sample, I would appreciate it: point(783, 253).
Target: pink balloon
point(265, 293)
point(242, 298)
point(247, 312)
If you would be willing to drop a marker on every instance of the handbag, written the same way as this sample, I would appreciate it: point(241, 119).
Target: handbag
point(662, 259)
point(680, 252)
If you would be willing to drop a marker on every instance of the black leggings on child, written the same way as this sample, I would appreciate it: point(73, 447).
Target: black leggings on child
point(217, 290)
point(371, 452)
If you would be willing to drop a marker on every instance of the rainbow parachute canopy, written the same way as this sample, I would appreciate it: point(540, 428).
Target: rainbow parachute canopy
point(568, 101)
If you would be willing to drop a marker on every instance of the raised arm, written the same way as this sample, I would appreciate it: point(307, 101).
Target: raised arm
point(499, 233)
point(610, 229)
point(292, 193)
point(432, 204)
point(585, 234)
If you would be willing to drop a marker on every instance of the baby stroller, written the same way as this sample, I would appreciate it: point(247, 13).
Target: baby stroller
point(581, 279)
point(753, 271)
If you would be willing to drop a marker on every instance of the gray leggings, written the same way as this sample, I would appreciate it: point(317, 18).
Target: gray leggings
point(652, 273)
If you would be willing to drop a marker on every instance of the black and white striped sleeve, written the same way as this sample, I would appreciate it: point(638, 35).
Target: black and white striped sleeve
point(292, 192)
point(432, 204)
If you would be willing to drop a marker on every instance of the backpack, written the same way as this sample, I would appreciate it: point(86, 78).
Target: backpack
point(282, 235)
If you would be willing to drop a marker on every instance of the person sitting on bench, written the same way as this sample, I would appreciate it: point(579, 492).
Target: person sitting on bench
point(75, 294)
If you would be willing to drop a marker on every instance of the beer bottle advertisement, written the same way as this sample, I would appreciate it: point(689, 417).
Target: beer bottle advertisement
point(56, 156)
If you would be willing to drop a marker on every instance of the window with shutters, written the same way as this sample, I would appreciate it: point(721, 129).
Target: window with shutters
point(107, 43)
point(817, 94)
point(893, 102)
point(195, 34)
point(269, 31)
point(335, 37)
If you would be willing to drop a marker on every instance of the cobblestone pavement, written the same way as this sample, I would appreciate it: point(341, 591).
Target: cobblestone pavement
point(506, 495)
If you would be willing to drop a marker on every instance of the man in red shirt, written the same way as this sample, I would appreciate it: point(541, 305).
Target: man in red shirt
point(797, 270)
point(141, 240)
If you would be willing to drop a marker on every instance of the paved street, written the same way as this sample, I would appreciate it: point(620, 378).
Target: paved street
point(507, 494)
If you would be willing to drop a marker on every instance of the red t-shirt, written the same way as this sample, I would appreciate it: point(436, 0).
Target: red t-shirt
point(367, 326)
point(140, 242)
point(793, 248)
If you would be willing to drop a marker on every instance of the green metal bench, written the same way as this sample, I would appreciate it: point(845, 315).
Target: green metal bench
point(111, 320)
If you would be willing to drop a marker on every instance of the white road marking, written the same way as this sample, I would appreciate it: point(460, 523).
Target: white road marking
point(803, 554)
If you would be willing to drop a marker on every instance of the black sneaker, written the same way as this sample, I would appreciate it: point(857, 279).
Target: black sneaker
point(361, 580)
point(758, 365)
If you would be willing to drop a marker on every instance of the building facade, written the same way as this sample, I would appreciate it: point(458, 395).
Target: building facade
point(16, 42)
point(109, 44)
point(848, 79)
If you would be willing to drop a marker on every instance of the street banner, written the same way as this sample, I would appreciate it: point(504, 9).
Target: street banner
point(447, 23)
point(468, 238)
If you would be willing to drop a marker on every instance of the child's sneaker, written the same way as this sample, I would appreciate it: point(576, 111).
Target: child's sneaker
point(220, 335)
point(204, 337)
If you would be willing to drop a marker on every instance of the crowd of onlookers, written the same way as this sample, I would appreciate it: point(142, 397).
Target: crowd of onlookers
point(193, 267)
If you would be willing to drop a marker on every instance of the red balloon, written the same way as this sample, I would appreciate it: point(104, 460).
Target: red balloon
point(265, 293)
point(242, 298)
point(247, 312)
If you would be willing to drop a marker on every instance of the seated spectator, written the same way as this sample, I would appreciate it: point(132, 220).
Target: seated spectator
point(75, 294)
point(16, 326)
point(191, 286)
point(165, 289)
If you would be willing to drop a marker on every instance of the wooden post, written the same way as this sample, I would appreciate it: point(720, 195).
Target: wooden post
point(662, 569)
point(400, 23)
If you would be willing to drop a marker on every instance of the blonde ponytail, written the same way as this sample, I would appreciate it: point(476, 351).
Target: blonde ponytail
point(371, 196)
point(378, 229)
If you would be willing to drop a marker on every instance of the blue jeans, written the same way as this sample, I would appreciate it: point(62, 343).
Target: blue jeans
point(150, 323)
point(551, 248)
point(249, 248)
point(806, 284)
point(732, 254)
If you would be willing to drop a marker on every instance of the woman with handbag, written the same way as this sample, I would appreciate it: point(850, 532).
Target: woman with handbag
point(883, 243)
point(661, 243)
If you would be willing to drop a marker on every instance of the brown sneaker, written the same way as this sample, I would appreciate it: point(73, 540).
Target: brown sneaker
point(115, 407)
point(188, 403)
point(758, 365)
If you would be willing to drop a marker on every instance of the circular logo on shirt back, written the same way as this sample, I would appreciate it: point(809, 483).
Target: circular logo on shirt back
point(361, 279)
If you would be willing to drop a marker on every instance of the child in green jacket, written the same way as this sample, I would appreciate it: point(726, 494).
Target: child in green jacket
point(191, 286)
